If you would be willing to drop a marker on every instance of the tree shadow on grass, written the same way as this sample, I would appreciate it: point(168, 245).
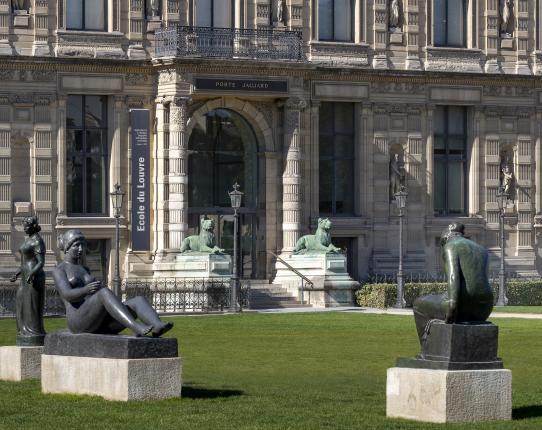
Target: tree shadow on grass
point(206, 393)
point(526, 412)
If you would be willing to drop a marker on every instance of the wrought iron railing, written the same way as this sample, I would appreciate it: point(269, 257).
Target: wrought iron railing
point(53, 305)
point(210, 42)
point(427, 277)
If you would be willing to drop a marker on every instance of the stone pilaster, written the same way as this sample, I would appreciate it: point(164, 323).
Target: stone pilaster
point(115, 175)
point(315, 159)
point(61, 151)
point(178, 171)
point(429, 160)
point(474, 174)
point(292, 178)
point(40, 46)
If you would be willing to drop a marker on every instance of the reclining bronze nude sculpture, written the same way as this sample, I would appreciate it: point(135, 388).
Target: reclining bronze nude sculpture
point(93, 308)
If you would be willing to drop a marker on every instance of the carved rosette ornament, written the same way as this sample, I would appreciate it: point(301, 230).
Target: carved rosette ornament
point(178, 174)
point(292, 193)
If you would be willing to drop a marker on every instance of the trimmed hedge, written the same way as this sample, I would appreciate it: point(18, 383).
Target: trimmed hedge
point(519, 293)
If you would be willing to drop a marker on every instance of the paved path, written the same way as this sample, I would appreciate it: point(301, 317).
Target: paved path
point(389, 311)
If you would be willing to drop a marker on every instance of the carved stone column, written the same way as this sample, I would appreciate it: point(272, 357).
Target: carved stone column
point(115, 176)
point(178, 171)
point(292, 179)
point(61, 151)
point(429, 160)
point(474, 175)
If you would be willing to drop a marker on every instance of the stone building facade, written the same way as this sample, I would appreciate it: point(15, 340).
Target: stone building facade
point(303, 102)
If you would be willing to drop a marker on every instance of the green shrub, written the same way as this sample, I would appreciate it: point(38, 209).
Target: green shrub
point(519, 293)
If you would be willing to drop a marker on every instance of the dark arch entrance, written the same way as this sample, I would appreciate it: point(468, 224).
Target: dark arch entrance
point(222, 151)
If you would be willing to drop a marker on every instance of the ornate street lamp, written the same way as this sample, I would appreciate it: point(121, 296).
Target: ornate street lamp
point(502, 201)
point(401, 202)
point(116, 198)
point(236, 197)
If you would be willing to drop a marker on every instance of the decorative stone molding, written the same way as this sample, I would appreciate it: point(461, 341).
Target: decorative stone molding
point(339, 53)
point(43, 75)
point(398, 87)
point(89, 44)
point(137, 79)
point(453, 60)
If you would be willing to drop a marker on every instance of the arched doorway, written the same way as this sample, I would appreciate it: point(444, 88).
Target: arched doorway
point(222, 151)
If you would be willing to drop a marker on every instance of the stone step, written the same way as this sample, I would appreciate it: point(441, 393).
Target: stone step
point(264, 295)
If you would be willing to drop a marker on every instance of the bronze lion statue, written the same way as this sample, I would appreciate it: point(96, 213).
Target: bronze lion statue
point(318, 242)
point(204, 242)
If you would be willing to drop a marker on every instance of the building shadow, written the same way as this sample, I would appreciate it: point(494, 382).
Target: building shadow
point(526, 412)
point(206, 393)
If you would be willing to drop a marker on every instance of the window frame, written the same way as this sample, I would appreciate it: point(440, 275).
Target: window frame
point(334, 38)
point(105, 155)
point(334, 159)
point(83, 15)
point(446, 31)
point(233, 13)
point(446, 157)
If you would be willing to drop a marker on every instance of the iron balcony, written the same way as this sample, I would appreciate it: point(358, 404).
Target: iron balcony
point(208, 42)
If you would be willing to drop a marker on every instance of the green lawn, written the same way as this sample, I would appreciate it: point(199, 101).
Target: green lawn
point(277, 371)
point(519, 309)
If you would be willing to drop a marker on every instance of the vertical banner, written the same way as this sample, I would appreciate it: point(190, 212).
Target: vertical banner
point(141, 175)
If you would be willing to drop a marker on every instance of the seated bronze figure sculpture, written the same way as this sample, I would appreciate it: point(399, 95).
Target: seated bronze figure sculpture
point(469, 297)
point(92, 308)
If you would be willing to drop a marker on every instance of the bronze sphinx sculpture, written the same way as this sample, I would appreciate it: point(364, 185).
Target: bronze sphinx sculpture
point(93, 308)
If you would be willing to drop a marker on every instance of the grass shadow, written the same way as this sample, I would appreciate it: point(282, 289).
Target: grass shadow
point(526, 412)
point(205, 393)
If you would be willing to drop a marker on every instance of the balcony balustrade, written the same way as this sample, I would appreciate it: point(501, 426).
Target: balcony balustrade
point(206, 42)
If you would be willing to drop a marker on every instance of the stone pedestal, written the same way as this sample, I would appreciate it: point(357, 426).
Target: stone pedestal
point(333, 286)
point(113, 367)
point(20, 19)
point(153, 24)
point(447, 396)
point(195, 265)
point(20, 362)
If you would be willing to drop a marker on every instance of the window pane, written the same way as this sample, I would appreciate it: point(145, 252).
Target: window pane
point(326, 146)
point(456, 29)
point(455, 188)
point(326, 186)
point(74, 111)
point(74, 183)
point(344, 187)
point(456, 120)
point(326, 118)
point(203, 13)
point(344, 147)
point(439, 25)
point(95, 185)
point(94, 15)
point(222, 13)
point(74, 14)
point(456, 146)
point(344, 118)
point(439, 120)
point(325, 19)
point(342, 20)
point(95, 142)
point(74, 141)
point(439, 145)
point(95, 111)
point(439, 188)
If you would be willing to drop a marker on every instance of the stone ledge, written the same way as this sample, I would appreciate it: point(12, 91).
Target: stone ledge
point(64, 343)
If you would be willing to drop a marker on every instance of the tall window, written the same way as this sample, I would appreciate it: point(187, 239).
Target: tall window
point(213, 13)
point(336, 147)
point(86, 15)
point(450, 23)
point(335, 20)
point(86, 155)
point(450, 159)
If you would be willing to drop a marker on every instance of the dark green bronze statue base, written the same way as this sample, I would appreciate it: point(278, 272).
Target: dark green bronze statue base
point(420, 363)
point(30, 340)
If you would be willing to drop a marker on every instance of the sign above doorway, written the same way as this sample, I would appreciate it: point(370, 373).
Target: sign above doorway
point(241, 85)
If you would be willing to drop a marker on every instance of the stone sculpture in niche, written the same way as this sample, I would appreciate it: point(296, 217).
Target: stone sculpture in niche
point(19, 5)
point(507, 180)
point(320, 242)
point(279, 12)
point(93, 308)
point(507, 19)
point(30, 296)
point(397, 175)
point(204, 242)
point(155, 8)
point(395, 14)
point(469, 297)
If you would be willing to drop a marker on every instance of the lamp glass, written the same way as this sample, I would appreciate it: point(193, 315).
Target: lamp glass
point(236, 197)
point(116, 197)
point(502, 199)
point(400, 199)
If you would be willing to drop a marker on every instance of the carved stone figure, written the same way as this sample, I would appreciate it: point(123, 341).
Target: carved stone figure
point(395, 14)
point(320, 242)
point(204, 242)
point(279, 12)
point(507, 181)
point(469, 297)
point(155, 8)
point(30, 296)
point(93, 308)
point(507, 18)
point(19, 5)
point(397, 175)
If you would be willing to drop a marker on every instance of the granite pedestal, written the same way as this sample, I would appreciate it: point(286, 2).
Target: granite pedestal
point(195, 265)
point(457, 377)
point(111, 366)
point(20, 362)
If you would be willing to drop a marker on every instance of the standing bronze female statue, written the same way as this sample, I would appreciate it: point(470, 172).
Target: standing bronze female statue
point(92, 308)
point(31, 293)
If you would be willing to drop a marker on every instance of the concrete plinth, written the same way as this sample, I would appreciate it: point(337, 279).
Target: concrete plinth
point(195, 265)
point(20, 362)
point(112, 379)
point(333, 286)
point(443, 396)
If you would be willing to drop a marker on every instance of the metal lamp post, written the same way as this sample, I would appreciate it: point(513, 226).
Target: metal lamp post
point(502, 200)
point(116, 198)
point(401, 202)
point(236, 197)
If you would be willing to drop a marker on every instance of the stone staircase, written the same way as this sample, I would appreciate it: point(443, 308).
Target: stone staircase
point(264, 295)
